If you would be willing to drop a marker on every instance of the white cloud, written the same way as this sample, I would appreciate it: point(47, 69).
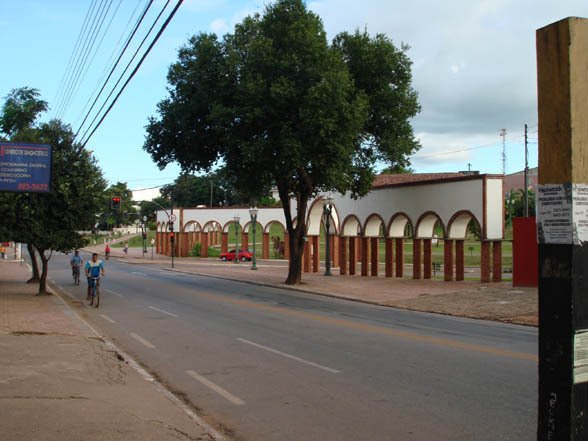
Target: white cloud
point(219, 26)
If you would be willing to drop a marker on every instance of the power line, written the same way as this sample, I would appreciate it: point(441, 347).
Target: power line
point(84, 62)
point(110, 61)
point(76, 46)
point(137, 25)
point(156, 38)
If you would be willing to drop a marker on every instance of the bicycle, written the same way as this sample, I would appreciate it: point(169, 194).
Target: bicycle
point(95, 291)
point(76, 274)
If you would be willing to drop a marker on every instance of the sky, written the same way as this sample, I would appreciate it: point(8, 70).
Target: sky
point(474, 69)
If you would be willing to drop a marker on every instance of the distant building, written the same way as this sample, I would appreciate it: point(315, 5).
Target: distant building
point(516, 181)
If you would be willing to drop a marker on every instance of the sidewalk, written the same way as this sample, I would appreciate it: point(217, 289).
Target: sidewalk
point(470, 298)
point(60, 381)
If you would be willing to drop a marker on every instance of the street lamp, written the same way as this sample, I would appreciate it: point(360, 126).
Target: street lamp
point(253, 213)
point(327, 209)
point(236, 218)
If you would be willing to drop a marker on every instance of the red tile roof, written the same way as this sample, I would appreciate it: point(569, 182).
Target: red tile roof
point(406, 178)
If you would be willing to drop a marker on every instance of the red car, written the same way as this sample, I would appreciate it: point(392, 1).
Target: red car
point(243, 255)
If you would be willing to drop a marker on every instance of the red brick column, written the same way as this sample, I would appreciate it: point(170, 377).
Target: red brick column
point(244, 245)
point(342, 256)
point(306, 257)
point(265, 240)
point(416, 258)
point(183, 244)
point(365, 242)
point(448, 260)
point(316, 253)
point(399, 256)
point(485, 262)
point(374, 250)
point(358, 249)
point(352, 256)
point(204, 245)
point(389, 258)
point(334, 244)
point(427, 258)
point(158, 242)
point(225, 242)
point(497, 261)
point(459, 260)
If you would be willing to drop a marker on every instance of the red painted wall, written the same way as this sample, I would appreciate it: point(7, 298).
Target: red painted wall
point(524, 252)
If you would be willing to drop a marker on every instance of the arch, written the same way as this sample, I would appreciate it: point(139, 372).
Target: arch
point(457, 227)
point(397, 225)
point(351, 226)
point(195, 227)
point(425, 226)
point(373, 225)
point(267, 226)
point(315, 217)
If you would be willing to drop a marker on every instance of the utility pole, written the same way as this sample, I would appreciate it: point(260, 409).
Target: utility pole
point(526, 201)
point(503, 134)
point(562, 217)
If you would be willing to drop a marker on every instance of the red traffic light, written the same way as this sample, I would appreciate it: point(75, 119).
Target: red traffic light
point(115, 203)
point(172, 234)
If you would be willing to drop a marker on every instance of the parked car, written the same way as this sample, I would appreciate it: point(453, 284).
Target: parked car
point(243, 255)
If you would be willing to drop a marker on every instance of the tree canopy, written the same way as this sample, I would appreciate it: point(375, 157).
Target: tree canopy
point(277, 104)
point(50, 221)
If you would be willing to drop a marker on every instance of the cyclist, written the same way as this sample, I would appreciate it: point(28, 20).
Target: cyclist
point(76, 263)
point(93, 268)
point(107, 251)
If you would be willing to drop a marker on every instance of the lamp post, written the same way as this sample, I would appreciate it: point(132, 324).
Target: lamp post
point(236, 218)
point(253, 213)
point(327, 209)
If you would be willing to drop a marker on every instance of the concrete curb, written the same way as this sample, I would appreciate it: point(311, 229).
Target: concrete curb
point(58, 291)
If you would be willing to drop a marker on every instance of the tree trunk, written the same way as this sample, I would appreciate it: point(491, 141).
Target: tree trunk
point(43, 281)
point(296, 238)
point(35, 278)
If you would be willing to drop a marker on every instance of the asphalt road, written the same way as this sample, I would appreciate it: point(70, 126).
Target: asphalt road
point(276, 365)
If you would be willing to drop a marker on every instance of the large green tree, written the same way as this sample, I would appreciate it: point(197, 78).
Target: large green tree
point(50, 222)
point(278, 104)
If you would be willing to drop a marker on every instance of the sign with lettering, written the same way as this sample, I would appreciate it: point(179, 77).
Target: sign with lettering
point(25, 167)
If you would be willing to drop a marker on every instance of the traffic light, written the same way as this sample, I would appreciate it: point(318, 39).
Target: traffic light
point(115, 203)
point(172, 236)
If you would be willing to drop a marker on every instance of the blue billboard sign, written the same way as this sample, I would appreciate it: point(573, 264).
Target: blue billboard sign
point(25, 167)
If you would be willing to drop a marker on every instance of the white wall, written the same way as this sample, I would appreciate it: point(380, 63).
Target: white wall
point(443, 198)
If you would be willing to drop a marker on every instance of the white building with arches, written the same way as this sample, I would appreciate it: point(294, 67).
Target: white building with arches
point(398, 208)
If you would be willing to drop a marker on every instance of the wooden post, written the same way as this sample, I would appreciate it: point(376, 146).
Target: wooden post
point(562, 193)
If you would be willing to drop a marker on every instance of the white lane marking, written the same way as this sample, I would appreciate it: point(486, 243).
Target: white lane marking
point(219, 390)
point(142, 340)
point(163, 311)
point(105, 317)
point(113, 292)
point(292, 357)
point(137, 273)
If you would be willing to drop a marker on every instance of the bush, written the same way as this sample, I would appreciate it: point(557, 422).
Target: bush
point(195, 251)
